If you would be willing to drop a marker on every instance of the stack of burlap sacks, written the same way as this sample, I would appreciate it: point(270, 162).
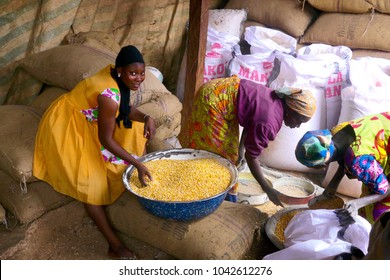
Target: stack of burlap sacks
point(360, 25)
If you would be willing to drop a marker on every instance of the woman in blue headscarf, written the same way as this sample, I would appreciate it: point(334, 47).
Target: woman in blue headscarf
point(362, 149)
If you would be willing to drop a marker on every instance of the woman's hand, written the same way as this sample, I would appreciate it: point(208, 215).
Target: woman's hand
point(273, 196)
point(240, 164)
point(149, 128)
point(255, 168)
point(143, 175)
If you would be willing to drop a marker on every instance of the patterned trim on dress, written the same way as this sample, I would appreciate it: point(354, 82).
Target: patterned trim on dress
point(92, 115)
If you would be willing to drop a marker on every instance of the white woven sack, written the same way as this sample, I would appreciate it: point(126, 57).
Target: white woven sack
point(254, 67)
point(336, 58)
point(264, 39)
point(289, 71)
point(369, 90)
point(219, 51)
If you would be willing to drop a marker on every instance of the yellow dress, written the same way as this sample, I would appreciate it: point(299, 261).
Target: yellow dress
point(68, 154)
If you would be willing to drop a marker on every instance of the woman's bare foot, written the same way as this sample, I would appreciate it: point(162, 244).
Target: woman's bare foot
point(121, 253)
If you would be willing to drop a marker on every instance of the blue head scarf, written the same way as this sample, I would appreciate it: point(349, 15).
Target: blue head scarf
point(315, 148)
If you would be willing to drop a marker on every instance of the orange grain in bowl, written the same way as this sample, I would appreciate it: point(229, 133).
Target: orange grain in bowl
point(283, 222)
point(331, 203)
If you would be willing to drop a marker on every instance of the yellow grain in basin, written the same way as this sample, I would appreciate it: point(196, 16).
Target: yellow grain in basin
point(183, 180)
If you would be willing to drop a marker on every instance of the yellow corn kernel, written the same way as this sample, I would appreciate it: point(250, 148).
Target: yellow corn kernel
point(183, 180)
point(283, 222)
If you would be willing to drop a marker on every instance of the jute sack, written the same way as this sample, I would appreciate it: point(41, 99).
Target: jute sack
point(28, 206)
point(356, 53)
point(161, 105)
point(342, 6)
point(357, 31)
point(227, 233)
point(351, 6)
point(169, 129)
point(24, 88)
point(3, 217)
point(157, 144)
point(286, 15)
point(382, 6)
point(47, 96)
point(96, 40)
point(17, 137)
point(65, 66)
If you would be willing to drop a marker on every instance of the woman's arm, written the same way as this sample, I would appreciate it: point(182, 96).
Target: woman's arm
point(331, 189)
point(150, 125)
point(106, 127)
point(241, 150)
point(255, 168)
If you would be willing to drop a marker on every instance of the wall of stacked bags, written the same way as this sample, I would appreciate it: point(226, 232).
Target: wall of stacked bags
point(327, 47)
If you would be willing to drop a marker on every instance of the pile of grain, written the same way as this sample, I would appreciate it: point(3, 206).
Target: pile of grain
point(183, 180)
point(331, 203)
point(283, 222)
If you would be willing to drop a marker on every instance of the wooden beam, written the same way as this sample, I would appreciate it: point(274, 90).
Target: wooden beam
point(196, 49)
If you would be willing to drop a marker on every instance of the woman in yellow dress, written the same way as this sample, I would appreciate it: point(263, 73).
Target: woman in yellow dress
point(88, 137)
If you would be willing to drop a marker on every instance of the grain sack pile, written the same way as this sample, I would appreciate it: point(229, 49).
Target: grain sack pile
point(322, 46)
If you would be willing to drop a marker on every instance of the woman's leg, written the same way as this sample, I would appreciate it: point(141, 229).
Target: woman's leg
point(117, 249)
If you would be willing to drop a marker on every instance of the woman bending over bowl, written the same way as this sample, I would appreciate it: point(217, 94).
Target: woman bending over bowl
point(221, 105)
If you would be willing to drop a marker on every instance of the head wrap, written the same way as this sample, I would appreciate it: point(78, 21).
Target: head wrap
point(315, 148)
point(301, 101)
point(128, 55)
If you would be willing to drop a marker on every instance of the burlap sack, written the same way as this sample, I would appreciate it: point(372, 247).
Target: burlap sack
point(356, 53)
point(382, 6)
point(2, 215)
point(169, 129)
point(351, 6)
point(17, 137)
point(157, 145)
point(162, 105)
point(227, 233)
point(47, 96)
point(286, 15)
point(24, 88)
point(65, 66)
point(357, 31)
point(343, 6)
point(28, 206)
point(95, 39)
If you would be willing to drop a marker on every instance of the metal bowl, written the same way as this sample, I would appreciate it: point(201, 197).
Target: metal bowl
point(182, 210)
point(271, 223)
point(306, 189)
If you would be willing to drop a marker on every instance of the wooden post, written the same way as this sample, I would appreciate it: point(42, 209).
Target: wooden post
point(196, 49)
